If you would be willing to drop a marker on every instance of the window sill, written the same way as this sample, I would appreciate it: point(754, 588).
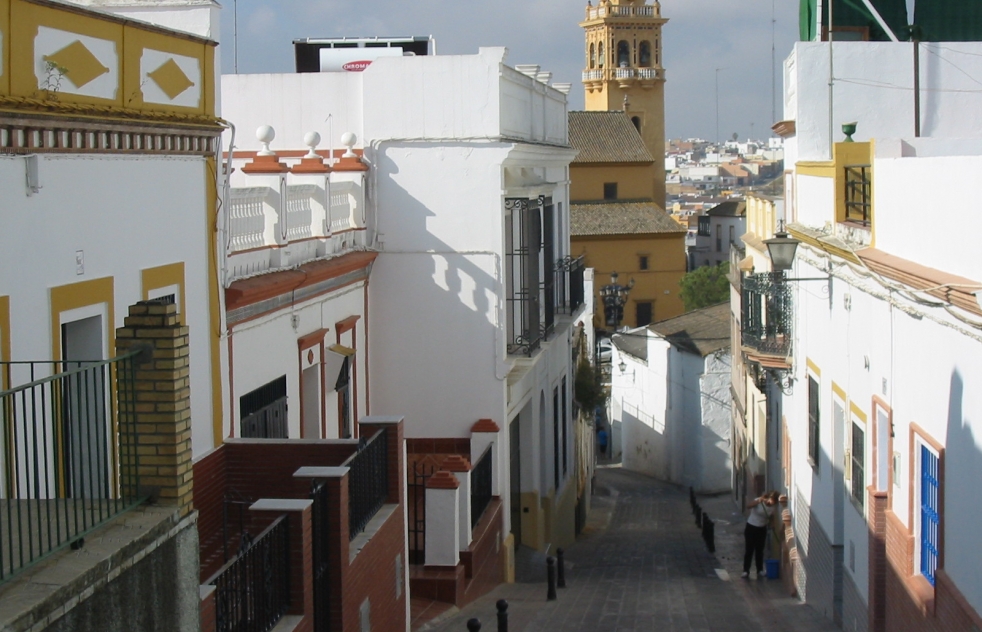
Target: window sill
point(922, 593)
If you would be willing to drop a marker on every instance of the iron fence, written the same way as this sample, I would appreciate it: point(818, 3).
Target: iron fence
point(481, 486)
point(569, 284)
point(252, 592)
point(368, 482)
point(767, 313)
point(416, 497)
point(68, 457)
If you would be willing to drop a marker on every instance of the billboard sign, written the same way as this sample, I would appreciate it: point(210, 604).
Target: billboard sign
point(353, 59)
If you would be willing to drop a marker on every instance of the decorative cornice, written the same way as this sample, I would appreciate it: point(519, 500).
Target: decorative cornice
point(442, 480)
point(46, 107)
point(485, 425)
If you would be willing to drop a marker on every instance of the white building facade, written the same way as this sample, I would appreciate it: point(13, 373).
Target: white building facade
point(864, 363)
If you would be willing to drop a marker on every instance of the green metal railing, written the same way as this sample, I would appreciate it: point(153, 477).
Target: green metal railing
point(68, 457)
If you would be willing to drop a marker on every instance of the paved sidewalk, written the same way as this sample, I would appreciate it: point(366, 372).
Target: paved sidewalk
point(641, 565)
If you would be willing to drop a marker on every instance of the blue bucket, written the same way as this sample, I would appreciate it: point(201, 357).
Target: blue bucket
point(773, 568)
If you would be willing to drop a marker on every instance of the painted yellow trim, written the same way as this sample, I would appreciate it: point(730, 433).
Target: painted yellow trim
point(840, 392)
point(214, 305)
point(21, 20)
point(857, 411)
point(5, 46)
point(82, 294)
point(813, 367)
point(818, 169)
point(165, 276)
point(813, 241)
point(849, 154)
point(4, 341)
point(73, 296)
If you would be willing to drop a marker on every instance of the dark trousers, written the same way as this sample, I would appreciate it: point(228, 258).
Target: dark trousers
point(755, 538)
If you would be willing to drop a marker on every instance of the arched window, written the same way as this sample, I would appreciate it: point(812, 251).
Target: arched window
point(644, 55)
point(600, 54)
point(637, 123)
point(593, 57)
point(623, 54)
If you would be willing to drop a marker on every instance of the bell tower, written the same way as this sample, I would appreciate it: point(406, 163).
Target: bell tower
point(624, 70)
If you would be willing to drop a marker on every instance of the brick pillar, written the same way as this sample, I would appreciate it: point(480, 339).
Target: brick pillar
point(877, 559)
point(484, 433)
point(265, 512)
point(160, 402)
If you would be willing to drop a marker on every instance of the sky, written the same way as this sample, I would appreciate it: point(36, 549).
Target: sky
point(734, 36)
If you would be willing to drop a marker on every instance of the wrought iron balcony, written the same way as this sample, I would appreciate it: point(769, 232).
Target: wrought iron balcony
point(569, 284)
point(767, 311)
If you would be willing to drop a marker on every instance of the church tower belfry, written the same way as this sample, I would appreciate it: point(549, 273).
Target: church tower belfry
point(624, 71)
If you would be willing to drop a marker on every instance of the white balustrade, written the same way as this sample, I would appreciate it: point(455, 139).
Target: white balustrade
point(299, 214)
point(645, 11)
point(342, 207)
point(247, 218)
point(648, 73)
point(593, 75)
point(624, 73)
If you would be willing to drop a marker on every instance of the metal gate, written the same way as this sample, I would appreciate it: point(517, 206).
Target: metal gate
point(417, 511)
point(322, 593)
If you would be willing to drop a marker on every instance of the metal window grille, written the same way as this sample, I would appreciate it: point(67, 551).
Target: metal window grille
point(523, 275)
point(814, 422)
point(68, 458)
point(858, 464)
point(767, 313)
point(569, 284)
point(481, 486)
point(565, 429)
point(858, 194)
point(252, 592)
point(930, 518)
point(264, 411)
point(548, 293)
point(416, 494)
point(368, 482)
point(555, 437)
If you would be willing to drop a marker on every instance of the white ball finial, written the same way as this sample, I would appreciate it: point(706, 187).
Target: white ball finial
point(312, 140)
point(348, 139)
point(265, 134)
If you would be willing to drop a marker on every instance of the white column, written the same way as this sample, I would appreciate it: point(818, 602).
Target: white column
point(442, 520)
point(485, 433)
point(461, 470)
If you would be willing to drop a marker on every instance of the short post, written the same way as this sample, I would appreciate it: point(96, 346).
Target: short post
point(502, 606)
point(698, 513)
point(561, 568)
point(711, 536)
point(551, 577)
point(474, 625)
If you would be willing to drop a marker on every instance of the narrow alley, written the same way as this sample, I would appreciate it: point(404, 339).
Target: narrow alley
point(641, 565)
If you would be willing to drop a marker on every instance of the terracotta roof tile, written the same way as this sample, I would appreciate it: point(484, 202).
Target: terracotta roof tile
point(606, 137)
point(620, 218)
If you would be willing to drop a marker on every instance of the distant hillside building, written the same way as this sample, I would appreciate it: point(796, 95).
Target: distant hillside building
point(721, 227)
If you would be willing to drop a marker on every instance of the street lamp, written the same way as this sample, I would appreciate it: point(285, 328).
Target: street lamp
point(781, 248)
point(614, 297)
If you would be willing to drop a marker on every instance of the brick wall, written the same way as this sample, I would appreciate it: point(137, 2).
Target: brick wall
point(912, 606)
point(483, 561)
point(209, 491)
point(161, 400)
point(855, 614)
point(817, 560)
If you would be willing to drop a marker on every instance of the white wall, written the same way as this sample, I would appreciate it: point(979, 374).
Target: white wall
point(873, 86)
point(126, 214)
point(716, 417)
point(902, 200)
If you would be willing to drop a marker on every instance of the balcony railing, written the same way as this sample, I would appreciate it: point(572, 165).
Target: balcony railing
point(252, 592)
point(569, 284)
point(481, 486)
point(623, 74)
point(270, 227)
point(592, 13)
point(767, 312)
point(68, 457)
point(368, 482)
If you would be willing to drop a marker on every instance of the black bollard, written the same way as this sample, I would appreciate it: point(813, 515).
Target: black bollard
point(551, 577)
point(711, 537)
point(561, 568)
point(502, 606)
point(474, 625)
point(698, 513)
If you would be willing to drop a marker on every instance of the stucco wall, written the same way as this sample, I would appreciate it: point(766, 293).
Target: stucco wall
point(659, 284)
point(714, 385)
point(634, 182)
point(160, 592)
point(125, 214)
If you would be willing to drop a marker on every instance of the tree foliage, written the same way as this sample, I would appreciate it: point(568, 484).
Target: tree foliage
point(705, 286)
point(586, 388)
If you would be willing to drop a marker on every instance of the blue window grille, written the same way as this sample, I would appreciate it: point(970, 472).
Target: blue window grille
point(930, 520)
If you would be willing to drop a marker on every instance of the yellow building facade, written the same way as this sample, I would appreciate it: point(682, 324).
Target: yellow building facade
point(623, 71)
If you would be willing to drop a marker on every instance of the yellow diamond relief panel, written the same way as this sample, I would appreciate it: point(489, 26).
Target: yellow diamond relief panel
point(171, 78)
point(77, 63)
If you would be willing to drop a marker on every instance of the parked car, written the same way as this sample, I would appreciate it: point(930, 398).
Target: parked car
point(606, 349)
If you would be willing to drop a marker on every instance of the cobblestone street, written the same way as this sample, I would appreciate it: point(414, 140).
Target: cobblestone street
point(642, 565)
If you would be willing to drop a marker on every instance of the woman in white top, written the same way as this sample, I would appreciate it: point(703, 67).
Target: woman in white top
point(755, 533)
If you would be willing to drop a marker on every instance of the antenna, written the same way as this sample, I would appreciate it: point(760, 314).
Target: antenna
point(235, 36)
point(773, 66)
